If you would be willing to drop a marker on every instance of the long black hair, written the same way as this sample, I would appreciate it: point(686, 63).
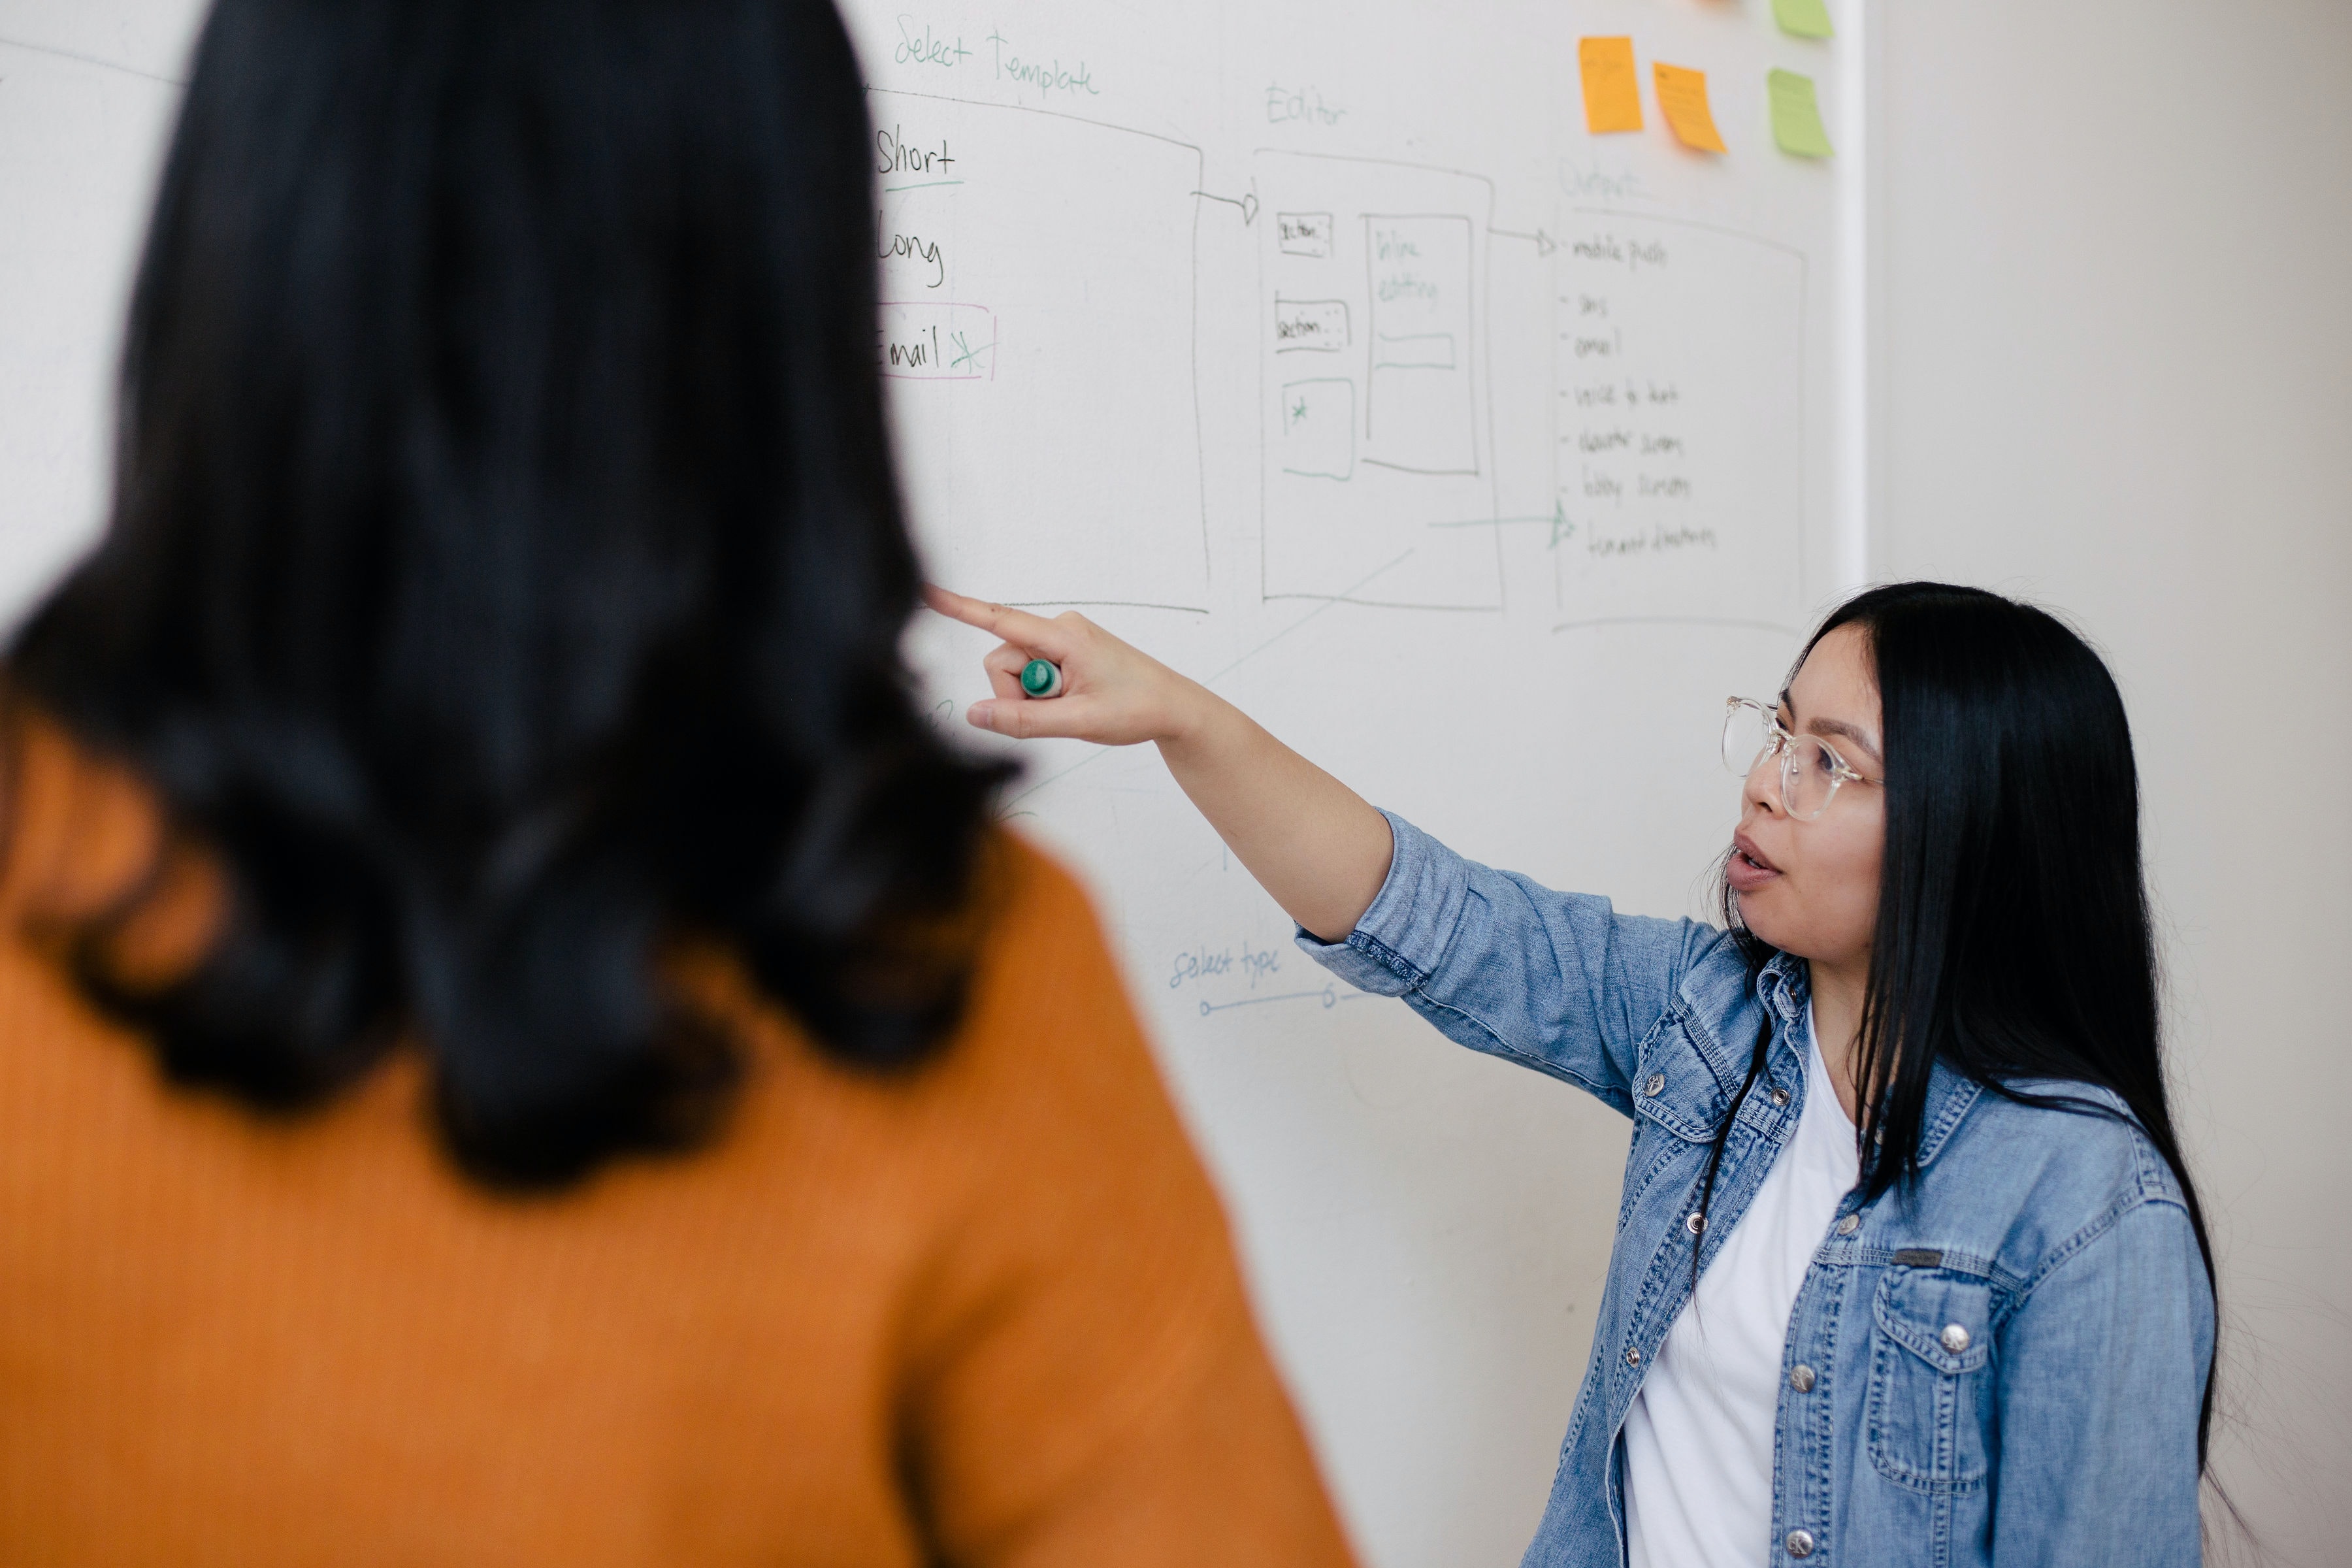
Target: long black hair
point(2012, 940)
point(506, 573)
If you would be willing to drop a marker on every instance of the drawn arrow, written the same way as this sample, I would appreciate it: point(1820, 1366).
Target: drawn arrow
point(1556, 519)
point(1248, 203)
point(1330, 996)
point(1544, 244)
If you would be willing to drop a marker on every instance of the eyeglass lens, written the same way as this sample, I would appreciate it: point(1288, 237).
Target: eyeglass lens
point(1809, 768)
point(1745, 733)
point(1807, 777)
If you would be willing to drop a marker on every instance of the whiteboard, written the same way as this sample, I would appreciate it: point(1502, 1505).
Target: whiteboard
point(1318, 349)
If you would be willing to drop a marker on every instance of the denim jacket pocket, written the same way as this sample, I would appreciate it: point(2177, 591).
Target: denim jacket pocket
point(1671, 1085)
point(1929, 1401)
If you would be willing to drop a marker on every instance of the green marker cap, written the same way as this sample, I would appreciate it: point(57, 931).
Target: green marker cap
point(1041, 678)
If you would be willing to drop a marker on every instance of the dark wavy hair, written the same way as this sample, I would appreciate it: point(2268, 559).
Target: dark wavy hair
point(506, 574)
point(2013, 941)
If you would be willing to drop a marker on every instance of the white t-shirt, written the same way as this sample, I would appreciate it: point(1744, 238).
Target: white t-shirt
point(1699, 1440)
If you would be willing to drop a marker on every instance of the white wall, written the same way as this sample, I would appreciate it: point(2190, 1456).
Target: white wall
point(2114, 361)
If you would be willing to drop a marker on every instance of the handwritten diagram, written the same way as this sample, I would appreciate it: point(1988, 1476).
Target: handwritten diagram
point(1037, 341)
point(1373, 369)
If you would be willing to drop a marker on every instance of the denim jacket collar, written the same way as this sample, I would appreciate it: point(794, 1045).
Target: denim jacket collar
point(1784, 987)
point(1949, 1095)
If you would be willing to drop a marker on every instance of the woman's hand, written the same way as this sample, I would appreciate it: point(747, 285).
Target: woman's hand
point(1306, 836)
point(1112, 693)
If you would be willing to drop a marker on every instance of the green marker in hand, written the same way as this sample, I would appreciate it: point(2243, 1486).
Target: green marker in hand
point(1041, 678)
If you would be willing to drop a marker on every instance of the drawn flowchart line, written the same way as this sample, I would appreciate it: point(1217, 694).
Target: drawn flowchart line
point(100, 61)
point(1329, 995)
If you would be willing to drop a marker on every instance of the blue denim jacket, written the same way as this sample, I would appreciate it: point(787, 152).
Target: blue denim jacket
point(2002, 1364)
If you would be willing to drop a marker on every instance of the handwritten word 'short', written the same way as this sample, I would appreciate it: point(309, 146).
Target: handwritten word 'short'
point(893, 154)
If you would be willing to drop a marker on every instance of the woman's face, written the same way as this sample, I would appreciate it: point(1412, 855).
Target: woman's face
point(1812, 888)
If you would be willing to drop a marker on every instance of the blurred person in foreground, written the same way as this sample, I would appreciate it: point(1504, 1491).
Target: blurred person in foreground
point(518, 1044)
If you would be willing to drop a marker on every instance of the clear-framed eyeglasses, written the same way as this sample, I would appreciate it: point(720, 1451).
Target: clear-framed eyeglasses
point(1810, 769)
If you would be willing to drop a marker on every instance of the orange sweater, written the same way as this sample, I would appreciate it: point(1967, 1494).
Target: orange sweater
point(985, 1314)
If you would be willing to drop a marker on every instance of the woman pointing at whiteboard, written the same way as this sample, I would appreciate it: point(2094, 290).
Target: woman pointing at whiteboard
point(1909, 1269)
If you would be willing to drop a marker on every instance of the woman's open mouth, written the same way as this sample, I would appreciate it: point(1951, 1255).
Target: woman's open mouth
point(1748, 869)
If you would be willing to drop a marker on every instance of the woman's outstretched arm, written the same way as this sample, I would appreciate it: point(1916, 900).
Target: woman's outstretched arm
point(1310, 840)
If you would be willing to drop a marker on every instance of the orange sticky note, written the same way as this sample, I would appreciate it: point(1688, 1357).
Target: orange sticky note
point(1613, 91)
point(1683, 95)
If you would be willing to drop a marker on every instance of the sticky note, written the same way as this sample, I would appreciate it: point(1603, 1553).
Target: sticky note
point(1805, 18)
point(1796, 117)
point(1683, 95)
point(1613, 91)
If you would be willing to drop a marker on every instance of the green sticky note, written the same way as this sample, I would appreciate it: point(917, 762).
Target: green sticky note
point(1806, 19)
point(1796, 117)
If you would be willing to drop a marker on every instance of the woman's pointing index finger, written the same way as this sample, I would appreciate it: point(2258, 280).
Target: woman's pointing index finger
point(1035, 632)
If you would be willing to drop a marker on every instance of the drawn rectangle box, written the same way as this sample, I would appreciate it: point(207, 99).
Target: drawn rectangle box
point(1044, 398)
point(1419, 407)
point(926, 339)
point(1310, 326)
point(1318, 428)
point(1416, 351)
point(1395, 344)
point(1304, 234)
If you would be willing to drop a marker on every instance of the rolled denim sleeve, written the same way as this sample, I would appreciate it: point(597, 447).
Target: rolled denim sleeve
point(1557, 981)
point(2102, 1374)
